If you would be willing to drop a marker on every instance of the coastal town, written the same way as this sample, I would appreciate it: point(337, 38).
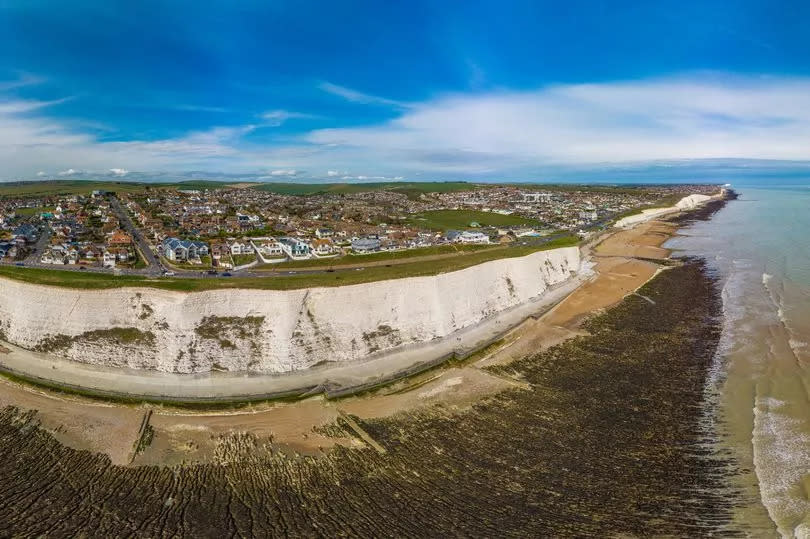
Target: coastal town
point(222, 230)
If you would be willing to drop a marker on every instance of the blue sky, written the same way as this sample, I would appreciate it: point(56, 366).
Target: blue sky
point(413, 90)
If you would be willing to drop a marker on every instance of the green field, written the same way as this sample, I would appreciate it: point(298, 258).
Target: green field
point(66, 187)
point(82, 280)
point(461, 219)
point(410, 189)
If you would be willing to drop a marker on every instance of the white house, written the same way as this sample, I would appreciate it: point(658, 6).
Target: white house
point(472, 237)
point(270, 248)
point(177, 249)
point(240, 248)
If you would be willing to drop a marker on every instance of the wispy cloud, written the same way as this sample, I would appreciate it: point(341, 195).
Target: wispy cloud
point(358, 97)
point(24, 79)
point(275, 118)
point(19, 106)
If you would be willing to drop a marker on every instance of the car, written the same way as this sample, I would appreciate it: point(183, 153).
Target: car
point(19, 263)
point(82, 267)
point(211, 272)
point(227, 274)
point(168, 273)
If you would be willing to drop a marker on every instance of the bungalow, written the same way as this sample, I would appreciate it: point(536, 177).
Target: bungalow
point(177, 249)
point(322, 233)
point(366, 245)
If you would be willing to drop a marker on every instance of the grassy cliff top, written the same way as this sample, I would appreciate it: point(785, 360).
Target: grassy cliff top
point(97, 281)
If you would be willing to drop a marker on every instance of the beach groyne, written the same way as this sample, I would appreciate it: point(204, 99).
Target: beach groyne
point(270, 331)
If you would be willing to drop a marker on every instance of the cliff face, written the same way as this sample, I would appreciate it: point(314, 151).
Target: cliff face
point(268, 330)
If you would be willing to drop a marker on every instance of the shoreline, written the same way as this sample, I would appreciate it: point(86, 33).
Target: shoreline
point(619, 268)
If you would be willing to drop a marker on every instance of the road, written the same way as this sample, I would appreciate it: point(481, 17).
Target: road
point(39, 246)
point(155, 267)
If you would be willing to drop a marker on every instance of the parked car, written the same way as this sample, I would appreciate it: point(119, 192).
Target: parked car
point(227, 274)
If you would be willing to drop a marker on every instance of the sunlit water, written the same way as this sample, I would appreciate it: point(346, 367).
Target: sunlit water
point(760, 247)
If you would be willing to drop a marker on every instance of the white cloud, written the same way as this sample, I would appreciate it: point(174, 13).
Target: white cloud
point(68, 172)
point(765, 118)
point(41, 173)
point(476, 135)
point(119, 171)
point(275, 118)
point(358, 97)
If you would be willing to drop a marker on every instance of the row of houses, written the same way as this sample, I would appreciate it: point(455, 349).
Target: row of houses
point(175, 249)
point(67, 253)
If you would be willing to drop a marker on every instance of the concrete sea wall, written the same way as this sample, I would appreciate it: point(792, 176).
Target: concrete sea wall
point(267, 330)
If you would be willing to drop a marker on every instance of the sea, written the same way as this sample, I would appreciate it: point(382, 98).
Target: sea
point(758, 396)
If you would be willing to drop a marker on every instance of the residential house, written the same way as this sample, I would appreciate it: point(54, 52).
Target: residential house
point(322, 247)
point(366, 245)
point(472, 237)
point(294, 247)
point(108, 259)
point(119, 238)
point(176, 249)
point(241, 248)
point(269, 248)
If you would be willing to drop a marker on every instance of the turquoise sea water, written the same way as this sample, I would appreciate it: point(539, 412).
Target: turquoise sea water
point(759, 246)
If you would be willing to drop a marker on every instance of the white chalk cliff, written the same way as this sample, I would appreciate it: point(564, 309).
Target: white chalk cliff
point(268, 330)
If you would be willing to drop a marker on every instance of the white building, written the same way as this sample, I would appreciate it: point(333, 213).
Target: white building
point(472, 237)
